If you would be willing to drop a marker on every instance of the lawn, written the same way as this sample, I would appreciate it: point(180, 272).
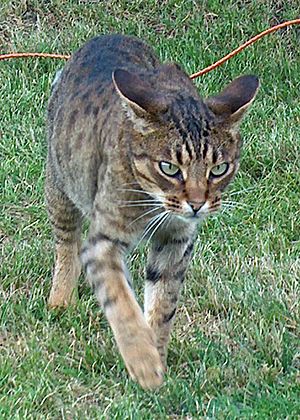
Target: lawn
point(235, 349)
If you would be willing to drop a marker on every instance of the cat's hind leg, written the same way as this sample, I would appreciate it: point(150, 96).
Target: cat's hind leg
point(66, 224)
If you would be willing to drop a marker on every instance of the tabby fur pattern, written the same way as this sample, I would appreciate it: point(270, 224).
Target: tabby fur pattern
point(133, 148)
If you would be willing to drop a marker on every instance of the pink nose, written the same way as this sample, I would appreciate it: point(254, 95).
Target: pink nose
point(196, 205)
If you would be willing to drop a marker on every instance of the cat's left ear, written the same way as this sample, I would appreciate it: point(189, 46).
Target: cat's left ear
point(141, 102)
point(232, 103)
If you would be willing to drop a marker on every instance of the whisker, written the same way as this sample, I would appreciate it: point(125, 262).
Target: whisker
point(133, 190)
point(160, 223)
point(234, 203)
point(139, 201)
point(152, 222)
point(140, 191)
point(215, 207)
point(142, 215)
point(170, 219)
point(142, 205)
point(243, 191)
point(231, 208)
point(227, 211)
point(130, 183)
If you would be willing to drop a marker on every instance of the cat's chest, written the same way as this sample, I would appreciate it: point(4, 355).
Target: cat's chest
point(167, 228)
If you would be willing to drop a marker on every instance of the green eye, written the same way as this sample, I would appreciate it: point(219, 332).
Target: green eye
point(169, 169)
point(219, 170)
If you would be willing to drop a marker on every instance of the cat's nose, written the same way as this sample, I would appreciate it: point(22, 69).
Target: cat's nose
point(196, 205)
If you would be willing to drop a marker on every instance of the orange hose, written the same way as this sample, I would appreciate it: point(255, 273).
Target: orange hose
point(243, 46)
point(193, 76)
point(25, 55)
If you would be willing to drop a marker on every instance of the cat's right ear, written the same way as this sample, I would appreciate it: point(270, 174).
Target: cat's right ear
point(140, 101)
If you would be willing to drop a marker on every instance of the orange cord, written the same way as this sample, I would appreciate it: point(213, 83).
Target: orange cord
point(193, 76)
point(243, 46)
point(25, 55)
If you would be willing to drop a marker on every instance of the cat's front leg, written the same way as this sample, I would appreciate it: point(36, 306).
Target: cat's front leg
point(167, 264)
point(102, 258)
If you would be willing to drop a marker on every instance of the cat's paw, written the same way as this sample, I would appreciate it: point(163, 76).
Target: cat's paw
point(143, 362)
point(62, 295)
point(62, 300)
point(64, 290)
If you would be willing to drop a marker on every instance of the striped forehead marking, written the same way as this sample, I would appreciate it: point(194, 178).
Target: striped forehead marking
point(184, 153)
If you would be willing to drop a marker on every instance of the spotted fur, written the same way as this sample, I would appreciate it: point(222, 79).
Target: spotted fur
point(133, 148)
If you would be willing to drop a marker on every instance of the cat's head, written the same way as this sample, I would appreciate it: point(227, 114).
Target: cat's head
point(184, 151)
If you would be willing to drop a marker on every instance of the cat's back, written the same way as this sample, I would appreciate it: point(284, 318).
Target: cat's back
point(84, 110)
point(107, 52)
point(84, 89)
point(92, 65)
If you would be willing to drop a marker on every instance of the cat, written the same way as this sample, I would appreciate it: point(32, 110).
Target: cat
point(133, 147)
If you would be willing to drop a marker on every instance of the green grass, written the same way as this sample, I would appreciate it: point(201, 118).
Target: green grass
point(235, 351)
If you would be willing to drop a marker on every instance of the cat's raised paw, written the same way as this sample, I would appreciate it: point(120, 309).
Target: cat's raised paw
point(147, 370)
point(144, 364)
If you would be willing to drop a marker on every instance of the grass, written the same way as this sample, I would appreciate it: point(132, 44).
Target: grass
point(235, 350)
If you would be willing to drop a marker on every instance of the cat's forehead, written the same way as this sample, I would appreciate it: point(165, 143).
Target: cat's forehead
point(196, 134)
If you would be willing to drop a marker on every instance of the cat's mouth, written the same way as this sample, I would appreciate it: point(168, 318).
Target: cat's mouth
point(189, 213)
point(183, 209)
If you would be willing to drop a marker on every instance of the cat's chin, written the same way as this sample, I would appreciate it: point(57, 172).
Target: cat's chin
point(188, 218)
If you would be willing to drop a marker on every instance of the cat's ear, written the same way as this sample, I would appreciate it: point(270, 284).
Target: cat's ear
point(232, 103)
point(141, 102)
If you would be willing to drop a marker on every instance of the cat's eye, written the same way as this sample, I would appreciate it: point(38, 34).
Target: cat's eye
point(219, 170)
point(169, 169)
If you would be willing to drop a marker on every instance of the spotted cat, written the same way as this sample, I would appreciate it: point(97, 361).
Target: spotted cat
point(133, 148)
